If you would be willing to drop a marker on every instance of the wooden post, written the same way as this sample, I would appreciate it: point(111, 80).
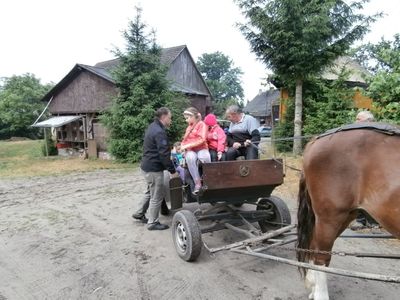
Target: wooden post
point(85, 136)
point(45, 142)
point(272, 130)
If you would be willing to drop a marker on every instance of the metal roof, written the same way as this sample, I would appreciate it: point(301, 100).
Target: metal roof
point(104, 69)
point(180, 88)
point(357, 72)
point(168, 55)
point(57, 121)
point(99, 72)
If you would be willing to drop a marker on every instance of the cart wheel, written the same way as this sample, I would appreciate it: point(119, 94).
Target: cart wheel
point(281, 214)
point(186, 234)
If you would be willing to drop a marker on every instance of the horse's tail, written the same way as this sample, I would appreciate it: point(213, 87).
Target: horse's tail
point(305, 222)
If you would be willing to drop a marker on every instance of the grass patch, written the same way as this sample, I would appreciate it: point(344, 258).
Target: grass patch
point(23, 149)
point(24, 158)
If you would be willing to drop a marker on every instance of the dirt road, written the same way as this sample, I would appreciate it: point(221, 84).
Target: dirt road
point(72, 237)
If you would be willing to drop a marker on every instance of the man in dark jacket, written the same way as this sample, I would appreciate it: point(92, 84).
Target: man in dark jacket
point(156, 159)
point(242, 135)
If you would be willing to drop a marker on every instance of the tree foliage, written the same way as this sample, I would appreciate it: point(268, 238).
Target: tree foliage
point(383, 60)
point(143, 87)
point(48, 146)
point(219, 108)
point(383, 56)
point(222, 78)
point(297, 38)
point(20, 105)
point(285, 128)
point(329, 104)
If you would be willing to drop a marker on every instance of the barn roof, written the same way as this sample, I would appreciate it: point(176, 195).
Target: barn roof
point(261, 104)
point(357, 72)
point(168, 55)
point(356, 77)
point(71, 76)
point(184, 89)
point(103, 70)
point(98, 71)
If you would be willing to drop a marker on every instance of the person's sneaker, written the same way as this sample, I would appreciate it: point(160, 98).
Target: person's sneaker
point(157, 226)
point(196, 190)
point(141, 218)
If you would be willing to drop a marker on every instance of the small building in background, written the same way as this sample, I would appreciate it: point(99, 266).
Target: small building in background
point(275, 100)
point(265, 107)
point(356, 79)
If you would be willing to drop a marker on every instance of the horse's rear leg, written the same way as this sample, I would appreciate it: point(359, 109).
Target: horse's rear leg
point(324, 235)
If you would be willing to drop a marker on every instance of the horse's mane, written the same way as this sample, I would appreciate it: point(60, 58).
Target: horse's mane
point(384, 128)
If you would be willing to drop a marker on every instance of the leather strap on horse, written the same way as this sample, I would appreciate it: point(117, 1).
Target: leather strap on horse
point(384, 128)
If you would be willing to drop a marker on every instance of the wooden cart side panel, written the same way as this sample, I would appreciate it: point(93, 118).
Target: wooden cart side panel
point(244, 173)
point(236, 195)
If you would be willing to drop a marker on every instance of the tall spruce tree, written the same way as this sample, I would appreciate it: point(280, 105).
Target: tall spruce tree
point(299, 38)
point(143, 87)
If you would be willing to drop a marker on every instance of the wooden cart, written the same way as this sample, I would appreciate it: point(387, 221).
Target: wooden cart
point(227, 186)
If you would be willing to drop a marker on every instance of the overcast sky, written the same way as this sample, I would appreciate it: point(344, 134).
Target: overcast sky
point(48, 37)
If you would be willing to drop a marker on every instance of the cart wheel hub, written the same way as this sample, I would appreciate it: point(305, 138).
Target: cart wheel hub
point(181, 239)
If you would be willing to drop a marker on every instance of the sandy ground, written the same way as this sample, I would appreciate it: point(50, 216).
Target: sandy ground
point(72, 237)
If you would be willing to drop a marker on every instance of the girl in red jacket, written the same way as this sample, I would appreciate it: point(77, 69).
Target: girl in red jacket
point(216, 138)
point(195, 144)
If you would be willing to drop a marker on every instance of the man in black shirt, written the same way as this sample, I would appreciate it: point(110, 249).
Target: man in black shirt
point(156, 158)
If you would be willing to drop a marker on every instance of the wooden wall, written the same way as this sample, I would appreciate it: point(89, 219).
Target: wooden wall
point(86, 93)
point(361, 101)
point(184, 72)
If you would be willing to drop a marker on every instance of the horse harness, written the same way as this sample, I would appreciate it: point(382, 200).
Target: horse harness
point(384, 128)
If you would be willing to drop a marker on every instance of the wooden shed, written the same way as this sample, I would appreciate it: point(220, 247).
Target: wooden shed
point(265, 106)
point(87, 90)
point(355, 80)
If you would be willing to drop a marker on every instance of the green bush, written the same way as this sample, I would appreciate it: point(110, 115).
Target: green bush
point(51, 146)
point(389, 113)
point(285, 129)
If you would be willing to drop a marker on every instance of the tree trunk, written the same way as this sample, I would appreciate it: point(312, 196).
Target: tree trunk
point(298, 111)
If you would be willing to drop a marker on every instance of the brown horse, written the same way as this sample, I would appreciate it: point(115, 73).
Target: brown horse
point(345, 171)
